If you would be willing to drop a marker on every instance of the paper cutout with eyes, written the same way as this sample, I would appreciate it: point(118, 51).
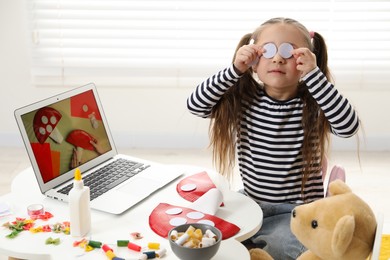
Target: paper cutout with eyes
point(284, 50)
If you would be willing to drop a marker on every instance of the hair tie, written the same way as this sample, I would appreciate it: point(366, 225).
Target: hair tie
point(312, 33)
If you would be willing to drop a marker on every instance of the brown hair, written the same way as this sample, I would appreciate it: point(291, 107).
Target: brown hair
point(227, 114)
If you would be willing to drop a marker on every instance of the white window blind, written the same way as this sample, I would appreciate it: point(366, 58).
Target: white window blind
point(179, 43)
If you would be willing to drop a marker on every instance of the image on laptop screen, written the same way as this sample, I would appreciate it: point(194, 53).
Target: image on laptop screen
point(66, 134)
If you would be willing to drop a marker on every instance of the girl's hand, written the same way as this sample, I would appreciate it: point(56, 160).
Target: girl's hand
point(247, 56)
point(97, 146)
point(305, 59)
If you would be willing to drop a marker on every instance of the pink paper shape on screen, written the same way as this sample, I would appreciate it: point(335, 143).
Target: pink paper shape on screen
point(84, 105)
point(82, 139)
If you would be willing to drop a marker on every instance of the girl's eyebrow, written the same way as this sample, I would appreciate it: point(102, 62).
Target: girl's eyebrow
point(266, 43)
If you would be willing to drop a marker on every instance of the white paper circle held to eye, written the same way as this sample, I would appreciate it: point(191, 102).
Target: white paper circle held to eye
point(177, 221)
point(285, 50)
point(195, 215)
point(206, 221)
point(270, 50)
point(174, 211)
point(188, 187)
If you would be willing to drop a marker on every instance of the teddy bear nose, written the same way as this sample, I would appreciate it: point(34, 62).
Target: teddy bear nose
point(293, 213)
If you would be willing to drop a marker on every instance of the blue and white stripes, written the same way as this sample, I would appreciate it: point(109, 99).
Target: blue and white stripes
point(271, 135)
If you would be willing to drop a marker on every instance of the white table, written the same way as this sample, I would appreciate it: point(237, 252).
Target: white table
point(108, 228)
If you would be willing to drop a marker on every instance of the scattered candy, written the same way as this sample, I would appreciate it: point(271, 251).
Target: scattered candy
point(77, 243)
point(45, 216)
point(136, 235)
point(95, 244)
point(21, 224)
point(161, 252)
point(51, 241)
point(150, 254)
point(154, 245)
point(134, 247)
point(122, 243)
point(110, 254)
point(106, 248)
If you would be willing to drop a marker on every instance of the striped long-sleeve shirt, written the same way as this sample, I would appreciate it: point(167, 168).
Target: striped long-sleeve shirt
point(271, 135)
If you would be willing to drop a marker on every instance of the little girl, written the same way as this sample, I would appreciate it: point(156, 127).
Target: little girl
point(276, 105)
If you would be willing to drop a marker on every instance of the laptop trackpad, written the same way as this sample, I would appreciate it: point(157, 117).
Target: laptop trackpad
point(139, 186)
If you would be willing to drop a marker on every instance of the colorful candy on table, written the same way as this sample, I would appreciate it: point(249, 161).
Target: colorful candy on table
point(151, 251)
point(36, 212)
point(162, 219)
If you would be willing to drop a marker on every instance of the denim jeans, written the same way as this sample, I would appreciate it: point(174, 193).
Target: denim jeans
point(275, 235)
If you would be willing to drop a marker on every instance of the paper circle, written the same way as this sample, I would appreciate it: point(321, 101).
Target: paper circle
point(53, 120)
point(195, 215)
point(44, 120)
point(49, 128)
point(177, 221)
point(85, 108)
point(206, 221)
point(270, 50)
point(42, 130)
point(285, 50)
point(174, 211)
point(188, 187)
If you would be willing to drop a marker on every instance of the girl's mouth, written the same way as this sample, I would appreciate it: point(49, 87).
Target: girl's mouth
point(276, 71)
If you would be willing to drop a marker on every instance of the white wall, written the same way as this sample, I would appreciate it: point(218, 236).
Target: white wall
point(153, 118)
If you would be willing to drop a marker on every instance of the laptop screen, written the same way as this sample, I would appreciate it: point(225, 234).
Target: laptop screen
point(66, 134)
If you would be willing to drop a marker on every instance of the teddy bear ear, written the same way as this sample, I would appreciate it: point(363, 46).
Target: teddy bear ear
point(338, 187)
point(342, 235)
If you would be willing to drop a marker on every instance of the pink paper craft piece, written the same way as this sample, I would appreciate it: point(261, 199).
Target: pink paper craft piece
point(159, 221)
point(203, 184)
point(80, 138)
point(83, 105)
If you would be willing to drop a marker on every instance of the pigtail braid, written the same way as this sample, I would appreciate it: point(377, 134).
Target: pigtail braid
point(226, 115)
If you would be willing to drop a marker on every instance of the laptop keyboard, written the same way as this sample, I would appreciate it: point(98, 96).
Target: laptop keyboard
point(109, 176)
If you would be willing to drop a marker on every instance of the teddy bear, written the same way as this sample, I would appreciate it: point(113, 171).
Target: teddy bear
point(341, 226)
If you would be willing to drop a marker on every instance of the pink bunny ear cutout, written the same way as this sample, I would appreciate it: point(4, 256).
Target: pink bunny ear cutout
point(312, 33)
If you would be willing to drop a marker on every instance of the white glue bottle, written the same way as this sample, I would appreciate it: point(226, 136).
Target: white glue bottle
point(79, 210)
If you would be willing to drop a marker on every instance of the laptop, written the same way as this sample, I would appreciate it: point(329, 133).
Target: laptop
point(69, 131)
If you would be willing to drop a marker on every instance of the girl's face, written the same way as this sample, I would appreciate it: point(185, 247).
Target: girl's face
point(279, 75)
